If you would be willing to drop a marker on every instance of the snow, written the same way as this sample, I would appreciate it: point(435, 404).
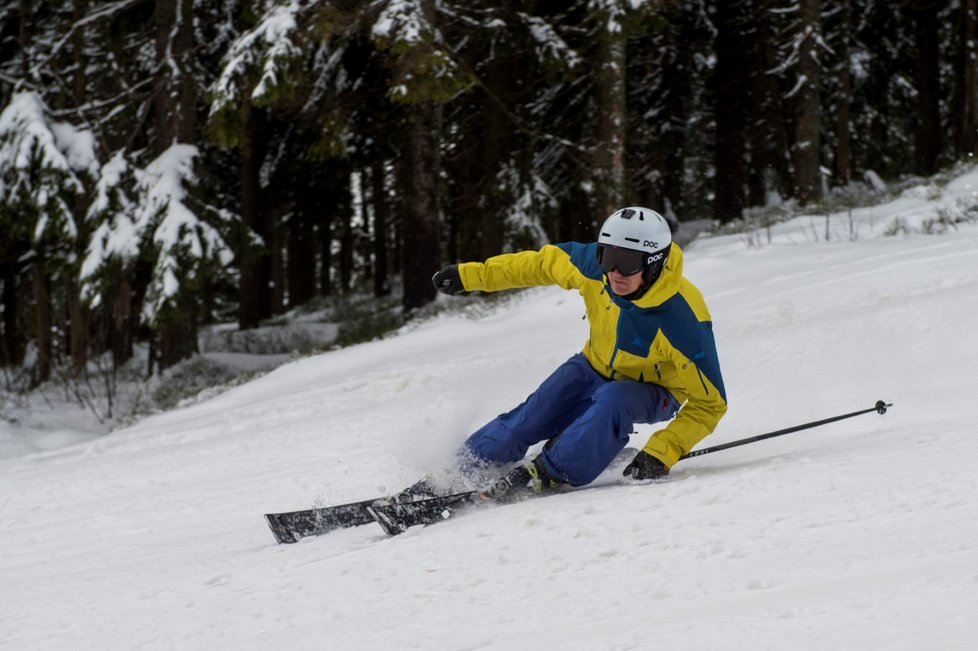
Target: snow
point(861, 534)
point(19, 440)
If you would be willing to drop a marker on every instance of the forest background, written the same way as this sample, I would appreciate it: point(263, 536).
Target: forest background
point(170, 164)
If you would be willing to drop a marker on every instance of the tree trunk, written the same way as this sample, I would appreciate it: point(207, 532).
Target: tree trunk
point(325, 241)
point(728, 95)
point(79, 318)
point(78, 10)
point(346, 251)
point(278, 239)
point(964, 124)
point(78, 312)
point(927, 138)
point(23, 37)
point(42, 322)
point(805, 152)
point(419, 178)
point(12, 351)
point(767, 132)
point(176, 102)
point(176, 121)
point(493, 152)
point(842, 168)
point(382, 286)
point(178, 331)
point(466, 208)
point(479, 205)
point(609, 151)
point(254, 289)
point(301, 258)
point(671, 144)
point(574, 223)
point(121, 326)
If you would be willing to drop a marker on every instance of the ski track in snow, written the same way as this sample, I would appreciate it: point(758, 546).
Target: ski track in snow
point(862, 534)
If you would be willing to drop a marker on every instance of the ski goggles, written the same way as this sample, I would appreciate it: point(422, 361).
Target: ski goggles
point(627, 262)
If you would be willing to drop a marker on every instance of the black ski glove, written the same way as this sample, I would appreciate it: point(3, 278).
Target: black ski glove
point(448, 281)
point(645, 466)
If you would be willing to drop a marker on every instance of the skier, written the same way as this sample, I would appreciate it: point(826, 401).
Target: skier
point(651, 354)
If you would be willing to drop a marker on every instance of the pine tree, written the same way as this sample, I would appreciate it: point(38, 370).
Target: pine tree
point(45, 167)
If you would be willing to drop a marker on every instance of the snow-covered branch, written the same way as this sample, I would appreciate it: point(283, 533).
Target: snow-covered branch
point(41, 159)
point(266, 48)
point(549, 43)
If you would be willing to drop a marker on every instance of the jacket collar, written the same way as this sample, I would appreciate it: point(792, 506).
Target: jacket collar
point(664, 288)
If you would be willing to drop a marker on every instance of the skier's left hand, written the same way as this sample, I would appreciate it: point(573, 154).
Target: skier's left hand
point(448, 281)
point(645, 466)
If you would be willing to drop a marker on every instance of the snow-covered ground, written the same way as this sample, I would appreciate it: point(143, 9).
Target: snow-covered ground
point(858, 535)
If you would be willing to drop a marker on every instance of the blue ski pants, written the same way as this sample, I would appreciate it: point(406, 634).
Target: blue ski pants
point(593, 417)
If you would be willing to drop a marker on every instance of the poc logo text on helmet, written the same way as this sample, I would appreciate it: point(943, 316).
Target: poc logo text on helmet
point(649, 243)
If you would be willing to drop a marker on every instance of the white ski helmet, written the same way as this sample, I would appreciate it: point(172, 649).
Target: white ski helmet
point(637, 228)
point(634, 240)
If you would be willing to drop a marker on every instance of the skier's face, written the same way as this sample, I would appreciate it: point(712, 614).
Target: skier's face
point(624, 285)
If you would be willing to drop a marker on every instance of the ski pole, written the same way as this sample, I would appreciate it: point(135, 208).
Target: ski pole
point(880, 408)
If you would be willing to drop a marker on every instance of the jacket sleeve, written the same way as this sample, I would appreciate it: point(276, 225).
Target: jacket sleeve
point(697, 419)
point(550, 265)
point(704, 406)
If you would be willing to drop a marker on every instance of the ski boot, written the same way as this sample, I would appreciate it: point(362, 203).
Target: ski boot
point(419, 490)
point(524, 480)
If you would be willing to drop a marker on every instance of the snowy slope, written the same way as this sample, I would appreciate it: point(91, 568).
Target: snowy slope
point(857, 535)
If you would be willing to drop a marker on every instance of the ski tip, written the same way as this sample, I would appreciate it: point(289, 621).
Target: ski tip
point(282, 535)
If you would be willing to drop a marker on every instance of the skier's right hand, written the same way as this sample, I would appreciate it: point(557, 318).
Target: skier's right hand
point(448, 281)
point(645, 466)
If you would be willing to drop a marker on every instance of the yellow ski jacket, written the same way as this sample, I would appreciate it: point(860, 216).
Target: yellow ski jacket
point(664, 337)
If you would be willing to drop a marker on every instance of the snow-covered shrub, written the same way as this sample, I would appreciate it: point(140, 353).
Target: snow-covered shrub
point(274, 339)
point(189, 378)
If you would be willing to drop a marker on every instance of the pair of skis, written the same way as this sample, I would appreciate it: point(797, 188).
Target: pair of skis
point(397, 517)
